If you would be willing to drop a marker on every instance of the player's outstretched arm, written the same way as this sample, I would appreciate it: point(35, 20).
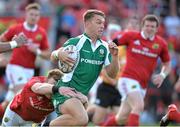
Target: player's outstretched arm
point(42, 88)
point(113, 68)
point(17, 41)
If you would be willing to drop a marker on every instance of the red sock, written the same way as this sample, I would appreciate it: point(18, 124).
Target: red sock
point(175, 116)
point(133, 120)
point(111, 121)
point(1, 111)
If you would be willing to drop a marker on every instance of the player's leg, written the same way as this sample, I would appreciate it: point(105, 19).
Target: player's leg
point(10, 118)
point(17, 76)
point(116, 101)
point(110, 97)
point(73, 113)
point(92, 98)
point(133, 95)
point(123, 113)
point(102, 102)
point(136, 102)
point(99, 115)
point(90, 110)
point(121, 117)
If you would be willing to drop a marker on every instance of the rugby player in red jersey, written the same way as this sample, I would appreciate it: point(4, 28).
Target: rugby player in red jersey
point(143, 50)
point(33, 103)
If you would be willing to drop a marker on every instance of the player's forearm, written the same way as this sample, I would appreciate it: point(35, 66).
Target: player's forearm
point(4, 47)
point(42, 88)
point(3, 39)
point(113, 69)
point(45, 54)
point(166, 68)
point(7, 46)
point(112, 81)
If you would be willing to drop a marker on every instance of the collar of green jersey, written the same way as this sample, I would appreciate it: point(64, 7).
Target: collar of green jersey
point(98, 40)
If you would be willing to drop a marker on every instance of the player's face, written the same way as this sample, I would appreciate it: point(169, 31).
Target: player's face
point(32, 16)
point(149, 28)
point(96, 25)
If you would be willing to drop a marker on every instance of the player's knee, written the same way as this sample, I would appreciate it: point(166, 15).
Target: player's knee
point(82, 121)
point(139, 107)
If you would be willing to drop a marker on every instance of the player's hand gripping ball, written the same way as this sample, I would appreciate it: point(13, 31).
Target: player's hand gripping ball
point(73, 54)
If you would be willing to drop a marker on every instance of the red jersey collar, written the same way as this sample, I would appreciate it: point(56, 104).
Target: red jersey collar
point(25, 25)
point(143, 36)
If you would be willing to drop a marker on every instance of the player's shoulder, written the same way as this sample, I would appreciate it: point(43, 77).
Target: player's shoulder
point(72, 41)
point(41, 29)
point(104, 43)
point(161, 40)
point(16, 26)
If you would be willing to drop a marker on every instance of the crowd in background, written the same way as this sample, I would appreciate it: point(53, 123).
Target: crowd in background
point(66, 21)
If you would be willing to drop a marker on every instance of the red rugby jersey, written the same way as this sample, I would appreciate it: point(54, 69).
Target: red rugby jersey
point(142, 55)
point(22, 56)
point(32, 106)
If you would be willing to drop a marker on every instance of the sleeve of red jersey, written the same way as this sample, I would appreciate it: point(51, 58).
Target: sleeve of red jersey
point(123, 39)
point(44, 43)
point(164, 55)
point(9, 33)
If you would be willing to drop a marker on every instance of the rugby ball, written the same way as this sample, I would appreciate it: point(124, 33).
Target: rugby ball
point(74, 54)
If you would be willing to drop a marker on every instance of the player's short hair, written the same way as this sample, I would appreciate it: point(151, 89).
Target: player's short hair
point(150, 17)
point(90, 14)
point(35, 6)
point(56, 74)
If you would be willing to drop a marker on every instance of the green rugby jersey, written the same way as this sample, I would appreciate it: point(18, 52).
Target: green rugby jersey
point(91, 60)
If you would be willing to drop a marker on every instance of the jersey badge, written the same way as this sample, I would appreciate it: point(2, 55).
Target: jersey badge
point(134, 86)
point(20, 78)
point(155, 46)
point(38, 37)
point(6, 119)
point(101, 51)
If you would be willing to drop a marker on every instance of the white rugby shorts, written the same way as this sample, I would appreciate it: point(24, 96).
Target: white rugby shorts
point(128, 85)
point(18, 75)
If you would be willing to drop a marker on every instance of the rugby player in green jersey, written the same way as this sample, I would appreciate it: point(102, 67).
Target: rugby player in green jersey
point(94, 54)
